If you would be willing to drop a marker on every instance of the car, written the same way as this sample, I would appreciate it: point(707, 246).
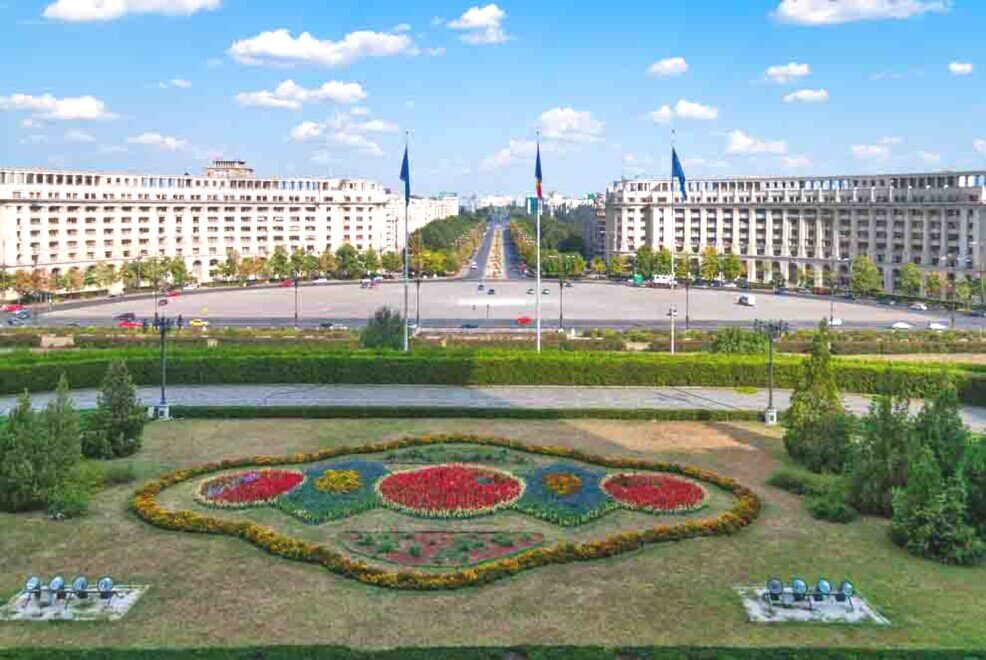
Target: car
point(129, 325)
point(173, 293)
point(835, 322)
point(491, 292)
point(329, 325)
point(901, 325)
point(14, 307)
point(730, 285)
point(524, 320)
point(190, 287)
point(198, 323)
point(22, 314)
point(125, 316)
point(15, 322)
point(469, 326)
point(934, 325)
point(530, 292)
point(747, 300)
point(321, 280)
point(919, 307)
point(481, 287)
point(568, 285)
point(781, 292)
point(285, 283)
point(545, 292)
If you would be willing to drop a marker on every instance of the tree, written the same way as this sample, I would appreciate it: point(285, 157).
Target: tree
point(709, 269)
point(910, 280)
point(939, 427)
point(684, 266)
point(391, 262)
point(106, 275)
point(663, 260)
point(740, 342)
point(296, 263)
point(576, 265)
point(229, 269)
point(963, 292)
point(865, 277)
point(348, 260)
point(371, 262)
point(23, 283)
point(178, 271)
point(384, 330)
point(74, 279)
point(879, 457)
point(730, 266)
point(617, 266)
point(935, 284)
point(327, 263)
point(279, 263)
point(644, 263)
point(116, 427)
point(598, 266)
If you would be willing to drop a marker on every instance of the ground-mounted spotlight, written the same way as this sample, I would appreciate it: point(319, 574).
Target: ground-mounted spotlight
point(80, 587)
point(105, 588)
point(57, 587)
point(33, 586)
point(823, 589)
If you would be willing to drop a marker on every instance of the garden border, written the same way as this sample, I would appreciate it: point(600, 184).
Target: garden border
point(742, 513)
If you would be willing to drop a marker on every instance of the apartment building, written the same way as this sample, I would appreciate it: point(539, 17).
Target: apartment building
point(594, 228)
point(420, 212)
point(936, 220)
point(56, 220)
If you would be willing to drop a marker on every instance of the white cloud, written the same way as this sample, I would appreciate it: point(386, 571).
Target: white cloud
point(109, 149)
point(514, 150)
point(108, 10)
point(78, 136)
point(482, 25)
point(807, 96)
point(359, 111)
point(669, 66)
point(31, 123)
point(34, 139)
point(307, 130)
point(980, 146)
point(960, 68)
point(891, 140)
point(401, 27)
point(741, 143)
point(683, 109)
point(180, 83)
point(49, 107)
point(278, 46)
point(159, 141)
point(795, 162)
point(782, 73)
point(871, 151)
point(343, 131)
point(929, 157)
point(831, 12)
point(292, 96)
point(570, 125)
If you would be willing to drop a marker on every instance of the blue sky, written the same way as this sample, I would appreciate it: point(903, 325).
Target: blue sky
point(308, 87)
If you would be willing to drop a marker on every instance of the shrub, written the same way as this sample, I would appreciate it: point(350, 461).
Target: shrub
point(831, 505)
point(739, 341)
point(822, 443)
point(975, 474)
point(878, 461)
point(799, 482)
point(116, 427)
point(384, 330)
point(939, 427)
point(114, 474)
point(69, 498)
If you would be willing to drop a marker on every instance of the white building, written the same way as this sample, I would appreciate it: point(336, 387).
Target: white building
point(499, 201)
point(780, 224)
point(56, 220)
point(420, 212)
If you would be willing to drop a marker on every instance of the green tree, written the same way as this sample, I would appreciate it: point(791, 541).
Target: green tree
point(975, 475)
point(663, 260)
point(327, 263)
point(178, 271)
point(384, 330)
point(576, 266)
point(348, 262)
point(116, 427)
point(939, 427)
point(230, 268)
point(279, 263)
point(618, 266)
point(739, 341)
point(391, 262)
point(598, 266)
point(21, 487)
point(730, 266)
point(865, 277)
point(935, 284)
point(296, 263)
point(371, 262)
point(644, 262)
point(709, 270)
point(963, 292)
point(910, 280)
point(106, 275)
point(879, 456)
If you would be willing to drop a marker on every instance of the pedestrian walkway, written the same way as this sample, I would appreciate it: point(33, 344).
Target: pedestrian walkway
point(679, 398)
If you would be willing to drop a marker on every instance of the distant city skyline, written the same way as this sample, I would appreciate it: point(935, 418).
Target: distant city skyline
point(763, 87)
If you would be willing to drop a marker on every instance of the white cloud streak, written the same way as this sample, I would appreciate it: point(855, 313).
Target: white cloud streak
point(960, 68)
point(570, 125)
point(278, 46)
point(833, 12)
point(291, 96)
point(684, 109)
point(49, 107)
point(669, 66)
point(108, 10)
point(158, 141)
point(807, 96)
point(482, 25)
point(783, 73)
point(741, 143)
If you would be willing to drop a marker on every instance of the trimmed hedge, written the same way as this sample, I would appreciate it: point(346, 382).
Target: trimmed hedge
point(488, 653)
point(251, 366)
point(433, 412)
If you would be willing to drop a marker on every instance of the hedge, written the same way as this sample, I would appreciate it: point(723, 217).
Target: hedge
point(433, 412)
point(243, 365)
point(487, 653)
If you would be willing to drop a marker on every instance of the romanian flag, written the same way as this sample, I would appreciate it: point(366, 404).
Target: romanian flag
point(537, 174)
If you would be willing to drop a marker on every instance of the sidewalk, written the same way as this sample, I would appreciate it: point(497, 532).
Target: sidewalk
point(471, 397)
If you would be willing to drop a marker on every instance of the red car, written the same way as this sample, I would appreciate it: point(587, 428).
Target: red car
point(129, 325)
point(286, 283)
point(524, 320)
point(13, 307)
point(174, 293)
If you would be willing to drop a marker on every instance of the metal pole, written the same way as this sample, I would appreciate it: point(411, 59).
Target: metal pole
point(687, 299)
point(296, 301)
point(417, 303)
point(673, 314)
point(770, 372)
point(537, 303)
point(164, 367)
point(561, 304)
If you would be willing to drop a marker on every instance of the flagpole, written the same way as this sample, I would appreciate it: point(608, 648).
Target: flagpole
point(538, 251)
point(407, 261)
point(674, 255)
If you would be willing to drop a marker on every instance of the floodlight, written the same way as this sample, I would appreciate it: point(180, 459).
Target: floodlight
point(33, 585)
point(57, 586)
point(105, 587)
point(799, 586)
point(775, 587)
point(823, 587)
point(846, 588)
point(80, 586)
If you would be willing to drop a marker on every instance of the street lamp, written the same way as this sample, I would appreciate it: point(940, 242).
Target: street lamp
point(673, 314)
point(164, 325)
point(773, 330)
point(417, 301)
point(296, 301)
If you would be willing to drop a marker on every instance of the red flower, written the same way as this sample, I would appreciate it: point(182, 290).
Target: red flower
point(450, 490)
point(655, 492)
point(248, 488)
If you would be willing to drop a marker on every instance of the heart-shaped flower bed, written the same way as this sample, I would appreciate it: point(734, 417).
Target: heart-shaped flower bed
point(251, 488)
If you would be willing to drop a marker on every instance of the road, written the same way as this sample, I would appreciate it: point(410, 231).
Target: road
point(411, 396)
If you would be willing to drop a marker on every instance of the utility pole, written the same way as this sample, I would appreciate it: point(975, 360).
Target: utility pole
point(673, 314)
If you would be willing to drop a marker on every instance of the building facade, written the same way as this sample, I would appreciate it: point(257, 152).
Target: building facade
point(420, 212)
point(57, 220)
point(780, 225)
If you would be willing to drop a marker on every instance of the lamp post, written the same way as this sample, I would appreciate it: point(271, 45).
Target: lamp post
point(417, 302)
point(673, 314)
point(164, 325)
point(296, 301)
point(773, 330)
point(687, 297)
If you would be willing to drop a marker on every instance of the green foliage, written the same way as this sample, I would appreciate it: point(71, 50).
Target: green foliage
point(739, 341)
point(384, 330)
point(730, 266)
point(709, 270)
point(117, 426)
point(865, 278)
point(910, 280)
point(975, 474)
point(930, 518)
point(878, 462)
point(69, 497)
point(798, 481)
point(830, 504)
point(821, 444)
point(939, 427)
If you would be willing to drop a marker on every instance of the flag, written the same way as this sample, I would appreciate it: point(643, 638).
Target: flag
point(678, 173)
point(537, 174)
point(406, 178)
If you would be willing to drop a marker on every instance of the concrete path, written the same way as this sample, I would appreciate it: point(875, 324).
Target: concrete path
point(470, 397)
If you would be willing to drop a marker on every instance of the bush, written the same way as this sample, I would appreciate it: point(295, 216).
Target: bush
point(69, 498)
point(975, 475)
point(831, 504)
point(116, 427)
point(799, 482)
point(878, 461)
point(739, 341)
point(821, 444)
point(384, 330)
point(114, 474)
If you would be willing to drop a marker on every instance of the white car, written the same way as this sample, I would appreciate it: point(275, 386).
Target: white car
point(934, 325)
point(835, 323)
point(190, 287)
point(730, 285)
point(901, 325)
point(320, 280)
point(919, 307)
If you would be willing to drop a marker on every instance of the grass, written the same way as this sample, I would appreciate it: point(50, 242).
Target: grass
point(218, 591)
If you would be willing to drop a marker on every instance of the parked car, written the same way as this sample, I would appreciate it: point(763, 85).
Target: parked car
point(747, 300)
point(545, 292)
point(129, 325)
point(919, 307)
point(190, 287)
point(173, 293)
point(198, 323)
point(22, 314)
point(481, 287)
point(568, 285)
point(14, 307)
point(901, 325)
point(730, 285)
point(321, 280)
point(469, 326)
point(15, 322)
point(125, 316)
point(491, 292)
point(524, 320)
point(835, 323)
point(284, 284)
point(329, 325)
point(935, 325)
point(530, 292)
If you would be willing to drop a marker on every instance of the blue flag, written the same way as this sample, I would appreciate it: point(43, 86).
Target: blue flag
point(537, 174)
point(678, 173)
point(406, 178)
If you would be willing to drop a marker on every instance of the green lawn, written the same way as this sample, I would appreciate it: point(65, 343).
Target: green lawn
point(222, 591)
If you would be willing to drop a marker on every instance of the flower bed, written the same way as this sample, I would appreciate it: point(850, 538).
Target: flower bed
point(565, 493)
point(245, 489)
point(656, 493)
point(745, 509)
point(316, 502)
point(438, 548)
point(450, 491)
